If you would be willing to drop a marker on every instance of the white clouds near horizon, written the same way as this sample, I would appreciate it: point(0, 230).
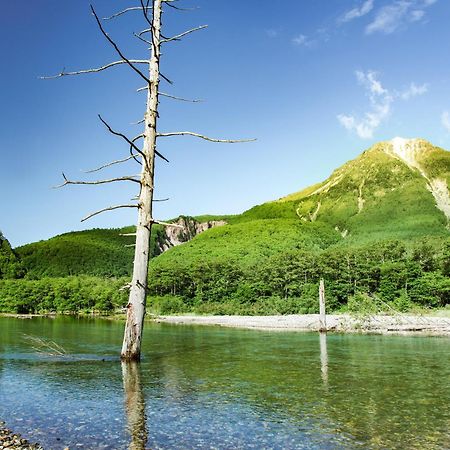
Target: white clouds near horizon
point(381, 100)
point(397, 14)
point(380, 107)
point(413, 90)
point(355, 13)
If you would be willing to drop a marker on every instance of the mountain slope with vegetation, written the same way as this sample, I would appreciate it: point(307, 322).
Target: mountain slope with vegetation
point(105, 252)
point(377, 226)
point(377, 230)
point(10, 265)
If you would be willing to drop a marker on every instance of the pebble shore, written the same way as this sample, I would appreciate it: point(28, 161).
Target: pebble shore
point(342, 323)
point(14, 441)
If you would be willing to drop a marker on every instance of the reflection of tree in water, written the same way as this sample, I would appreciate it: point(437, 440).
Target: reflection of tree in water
point(134, 405)
point(324, 357)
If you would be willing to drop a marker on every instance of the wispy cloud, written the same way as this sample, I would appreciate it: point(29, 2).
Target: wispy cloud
point(357, 12)
point(413, 90)
point(398, 14)
point(380, 107)
point(302, 40)
point(380, 104)
point(445, 120)
point(272, 33)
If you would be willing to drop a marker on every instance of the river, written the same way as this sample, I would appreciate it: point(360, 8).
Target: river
point(210, 387)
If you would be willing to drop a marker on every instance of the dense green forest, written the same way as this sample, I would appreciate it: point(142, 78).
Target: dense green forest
point(372, 230)
point(10, 264)
point(382, 276)
point(386, 275)
point(97, 252)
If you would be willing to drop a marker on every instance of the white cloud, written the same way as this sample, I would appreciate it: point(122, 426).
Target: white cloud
point(417, 15)
point(399, 13)
point(380, 107)
point(357, 12)
point(302, 41)
point(445, 120)
point(413, 90)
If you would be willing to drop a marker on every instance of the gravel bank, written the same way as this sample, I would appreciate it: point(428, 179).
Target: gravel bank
point(310, 322)
point(14, 441)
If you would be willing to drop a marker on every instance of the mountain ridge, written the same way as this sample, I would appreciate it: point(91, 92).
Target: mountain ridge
point(384, 193)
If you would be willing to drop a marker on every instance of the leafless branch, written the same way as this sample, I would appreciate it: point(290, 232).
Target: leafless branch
point(131, 142)
point(165, 224)
point(139, 122)
point(142, 39)
point(206, 138)
point(141, 153)
point(116, 48)
point(110, 208)
point(161, 199)
point(135, 8)
point(178, 8)
point(111, 180)
point(179, 36)
point(116, 133)
point(164, 94)
point(165, 78)
point(127, 234)
point(130, 245)
point(144, 11)
point(98, 69)
point(181, 99)
point(147, 30)
point(45, 346)
point(119, 161)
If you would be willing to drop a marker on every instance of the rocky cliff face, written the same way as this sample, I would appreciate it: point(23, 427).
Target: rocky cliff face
point(171, 237)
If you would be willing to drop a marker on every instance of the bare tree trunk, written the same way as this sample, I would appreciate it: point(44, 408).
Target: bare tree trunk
point(131, 348)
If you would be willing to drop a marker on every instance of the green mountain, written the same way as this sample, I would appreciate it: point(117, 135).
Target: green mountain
point(377, 228)
point(394, 190)
point(10, 266)
point(104, 252)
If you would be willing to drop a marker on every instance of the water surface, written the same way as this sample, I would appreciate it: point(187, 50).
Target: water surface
point(208, 387)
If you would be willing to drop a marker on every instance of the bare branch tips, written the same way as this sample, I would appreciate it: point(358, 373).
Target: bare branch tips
point(131, 142)
point(206, 138)
point(97, 69)
point(119, 161)
point(124, 11)
point(110, 180)
point(116, 48)
point(110, 208)
point(179, 36)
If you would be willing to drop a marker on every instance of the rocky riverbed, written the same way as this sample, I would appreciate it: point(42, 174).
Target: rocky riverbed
point(14, 441)
point(342, 323)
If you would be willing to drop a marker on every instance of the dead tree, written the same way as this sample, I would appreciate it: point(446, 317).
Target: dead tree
point(151, 11)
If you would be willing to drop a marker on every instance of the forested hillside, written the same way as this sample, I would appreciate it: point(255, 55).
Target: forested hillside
point(10, 266)
point(377, 231)
point(379, 225)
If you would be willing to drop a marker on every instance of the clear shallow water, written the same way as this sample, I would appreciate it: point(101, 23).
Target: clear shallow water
point(204, 387)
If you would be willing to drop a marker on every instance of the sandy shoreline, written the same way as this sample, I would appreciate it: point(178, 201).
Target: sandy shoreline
point(424, 325)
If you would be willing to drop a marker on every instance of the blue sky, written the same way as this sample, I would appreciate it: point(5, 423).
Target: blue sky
point(315, 81)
